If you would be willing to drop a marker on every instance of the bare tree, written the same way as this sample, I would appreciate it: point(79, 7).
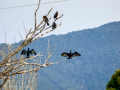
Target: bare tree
point(10, 66)
point(25, 81)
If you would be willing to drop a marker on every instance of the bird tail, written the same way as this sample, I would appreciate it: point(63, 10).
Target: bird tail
point(47, 23)
point(53, 27)
point(68, 58)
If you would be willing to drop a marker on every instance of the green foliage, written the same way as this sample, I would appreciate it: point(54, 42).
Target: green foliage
point(114, 83)
point(111, 88)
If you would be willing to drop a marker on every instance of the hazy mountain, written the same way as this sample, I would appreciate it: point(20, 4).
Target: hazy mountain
point(100, 57)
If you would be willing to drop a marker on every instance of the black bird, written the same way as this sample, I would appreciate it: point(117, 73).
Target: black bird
point(70, 55)
point(56, 15)
point(45, 19)
point(54, 26)
point(28, 52)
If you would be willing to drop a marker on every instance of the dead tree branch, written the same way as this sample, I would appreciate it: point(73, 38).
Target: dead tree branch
point(10, 66)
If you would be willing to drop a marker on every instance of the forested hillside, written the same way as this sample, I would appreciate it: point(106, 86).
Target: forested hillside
point(100, 58)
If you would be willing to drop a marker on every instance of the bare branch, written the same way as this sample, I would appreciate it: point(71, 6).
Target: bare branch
point(25, 28)
point(49, 55)
point(11, 66)
point(36, 13)
point(20, 35)
point(5, 37)
point(4, 81)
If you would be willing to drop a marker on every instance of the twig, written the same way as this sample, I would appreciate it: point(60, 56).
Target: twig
point(36, 13)
point(20, 35)
point(4, 82)
point(25, 28)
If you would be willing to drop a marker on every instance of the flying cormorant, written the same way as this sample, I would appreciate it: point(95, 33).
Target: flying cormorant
point(70, 55)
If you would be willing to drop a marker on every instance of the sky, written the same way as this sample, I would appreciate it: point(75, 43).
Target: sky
point(78, 15)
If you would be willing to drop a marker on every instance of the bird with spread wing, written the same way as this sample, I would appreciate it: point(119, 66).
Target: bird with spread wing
point(70, 55)
point(28, 52)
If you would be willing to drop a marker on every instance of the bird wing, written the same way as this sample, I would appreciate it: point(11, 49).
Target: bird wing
point(76, 54)
point(45, 18)
point(24, 52)
point(33, 52)
point(55, 15)
point(64, 54)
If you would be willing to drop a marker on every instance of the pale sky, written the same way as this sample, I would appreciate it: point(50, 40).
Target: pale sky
point(78, 15)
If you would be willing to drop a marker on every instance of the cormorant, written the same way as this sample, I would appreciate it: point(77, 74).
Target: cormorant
point(70, 55)
point(45, 19)
point(54, 26)
point(56, 15)
point(28, 52)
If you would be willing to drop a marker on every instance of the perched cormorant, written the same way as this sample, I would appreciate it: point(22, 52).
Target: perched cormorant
point(70, 55)
point(56, 15)
point(45, 19)
point(54, 26)
point(28, 52)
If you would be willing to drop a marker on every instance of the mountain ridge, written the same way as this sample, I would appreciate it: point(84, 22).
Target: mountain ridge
point(99, 48)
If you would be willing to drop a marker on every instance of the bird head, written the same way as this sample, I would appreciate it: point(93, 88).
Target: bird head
point(44, 16)
point(57, 12)
point(70, 51)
